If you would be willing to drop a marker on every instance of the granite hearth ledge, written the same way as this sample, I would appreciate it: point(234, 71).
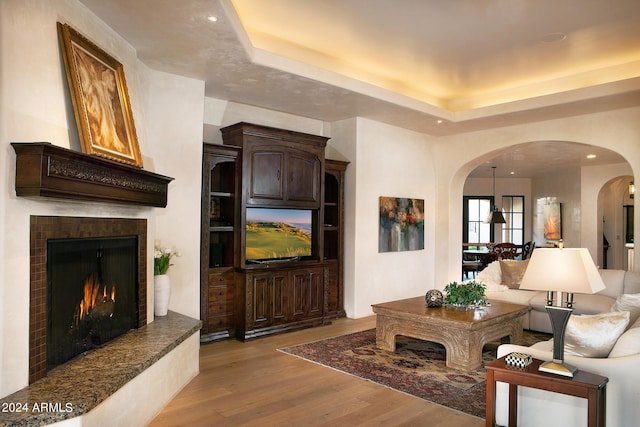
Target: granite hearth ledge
point(75, 388)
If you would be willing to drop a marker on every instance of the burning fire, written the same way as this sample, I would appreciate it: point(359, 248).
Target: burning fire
point(94, 303)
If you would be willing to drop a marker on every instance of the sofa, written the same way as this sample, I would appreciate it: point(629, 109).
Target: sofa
point(618, 360)
point(503, 277)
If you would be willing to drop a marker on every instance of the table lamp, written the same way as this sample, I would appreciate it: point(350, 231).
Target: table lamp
point(562, 270)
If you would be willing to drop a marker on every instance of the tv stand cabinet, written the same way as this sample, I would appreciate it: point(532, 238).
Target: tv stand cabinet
point(282, 298)
point(265, 167)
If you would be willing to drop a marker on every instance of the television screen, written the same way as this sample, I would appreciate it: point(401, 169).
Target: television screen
point(277, 233)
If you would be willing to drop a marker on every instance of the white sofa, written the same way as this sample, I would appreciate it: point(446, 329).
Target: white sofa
point(617, 282)
point(539, 408)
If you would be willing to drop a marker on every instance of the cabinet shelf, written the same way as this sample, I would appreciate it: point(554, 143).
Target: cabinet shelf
point(221, 229)
point(221, 194)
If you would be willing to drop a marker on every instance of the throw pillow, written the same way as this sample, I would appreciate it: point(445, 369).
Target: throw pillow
point(491, 277)
point(630, 303)
point(629, 343)
point(594, 335)
point(513, 272)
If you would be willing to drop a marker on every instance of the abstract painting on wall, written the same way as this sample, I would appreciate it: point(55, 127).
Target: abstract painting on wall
point(552, 215)
point(401, 224)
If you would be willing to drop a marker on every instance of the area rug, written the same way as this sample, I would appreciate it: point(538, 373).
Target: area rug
point(416, 368)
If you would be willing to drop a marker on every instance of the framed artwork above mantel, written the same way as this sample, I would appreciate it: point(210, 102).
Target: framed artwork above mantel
point(100, 99)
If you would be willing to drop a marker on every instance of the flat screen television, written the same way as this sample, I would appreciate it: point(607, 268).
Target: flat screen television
point(278, 234)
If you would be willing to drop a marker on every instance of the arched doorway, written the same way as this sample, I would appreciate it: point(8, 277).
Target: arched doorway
point(616, 208)
point(560, 171)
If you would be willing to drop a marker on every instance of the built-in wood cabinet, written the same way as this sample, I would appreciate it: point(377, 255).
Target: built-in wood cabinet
point(281, 299)
point(264, 167)
point(280, 167)
point(220, 177)
point(333, 235)
point(279, 175)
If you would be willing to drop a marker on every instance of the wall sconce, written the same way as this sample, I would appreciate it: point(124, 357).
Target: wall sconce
point(632, 189)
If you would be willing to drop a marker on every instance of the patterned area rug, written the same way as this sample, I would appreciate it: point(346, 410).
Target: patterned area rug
point(416, 368)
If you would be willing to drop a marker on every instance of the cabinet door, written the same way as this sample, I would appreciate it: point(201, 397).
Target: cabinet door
point(308, 293)
point(303, 177)
point(267, 169)
point(261, 288)
point(316, 293)
point(280, 290)
point(300, 285)
point(270, 292)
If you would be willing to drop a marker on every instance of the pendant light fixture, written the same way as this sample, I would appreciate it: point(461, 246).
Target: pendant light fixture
point(495, 215)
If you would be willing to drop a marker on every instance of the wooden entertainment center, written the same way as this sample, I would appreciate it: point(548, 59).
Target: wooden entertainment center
point(265, 167)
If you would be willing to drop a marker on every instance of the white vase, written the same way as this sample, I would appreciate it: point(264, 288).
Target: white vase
point(161, 292)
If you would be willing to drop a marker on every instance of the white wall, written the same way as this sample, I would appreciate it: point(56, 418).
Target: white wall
point(219, 113)
point(174, 108)
point(395, 162)
point(606, 209)
point(35, 106)
point(564, 187)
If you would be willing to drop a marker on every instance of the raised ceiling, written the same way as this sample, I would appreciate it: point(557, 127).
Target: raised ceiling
point(468, 64)
point(457, 55)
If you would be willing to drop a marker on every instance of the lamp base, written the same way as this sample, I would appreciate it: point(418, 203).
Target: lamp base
point(559, 368)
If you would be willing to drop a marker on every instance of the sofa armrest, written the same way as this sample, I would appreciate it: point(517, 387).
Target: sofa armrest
point(537, 407)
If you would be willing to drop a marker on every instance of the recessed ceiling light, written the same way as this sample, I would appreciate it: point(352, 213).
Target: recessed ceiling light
point(554, 37)
point(439, 121)
point(512, 173)
point(591, 156)
point(212, 18)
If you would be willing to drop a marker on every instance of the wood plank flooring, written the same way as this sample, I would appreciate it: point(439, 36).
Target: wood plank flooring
point(251, 384)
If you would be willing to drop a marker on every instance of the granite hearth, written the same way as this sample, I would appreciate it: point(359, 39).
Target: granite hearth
point(74, 389)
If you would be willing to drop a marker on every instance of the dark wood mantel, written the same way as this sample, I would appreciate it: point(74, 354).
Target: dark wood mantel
point(46, 170)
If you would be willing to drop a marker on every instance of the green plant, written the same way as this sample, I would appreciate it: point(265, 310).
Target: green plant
point(162, 259)
point(466, 293)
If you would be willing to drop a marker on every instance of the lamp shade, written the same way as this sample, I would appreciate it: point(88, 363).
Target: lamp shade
point(495, 217)
point(562, 270)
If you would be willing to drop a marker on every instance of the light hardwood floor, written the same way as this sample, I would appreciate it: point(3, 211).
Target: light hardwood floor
point(251, 384)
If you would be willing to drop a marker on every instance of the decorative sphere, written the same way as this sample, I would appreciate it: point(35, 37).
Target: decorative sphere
point(434, 298)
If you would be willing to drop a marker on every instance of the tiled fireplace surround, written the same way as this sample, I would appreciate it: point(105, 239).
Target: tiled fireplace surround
point(44, 228)
point(149, 364)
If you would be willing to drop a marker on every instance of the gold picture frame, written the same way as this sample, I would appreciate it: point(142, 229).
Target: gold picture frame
point(100, 99)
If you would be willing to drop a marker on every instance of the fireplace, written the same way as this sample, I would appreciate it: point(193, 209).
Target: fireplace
point(88, 285)
point(92, 294)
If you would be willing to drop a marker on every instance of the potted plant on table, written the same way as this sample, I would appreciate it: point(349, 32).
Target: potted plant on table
point(465, 294)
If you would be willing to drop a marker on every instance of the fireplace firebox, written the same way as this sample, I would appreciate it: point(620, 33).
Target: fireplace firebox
point(88, 282)
point(92, 294)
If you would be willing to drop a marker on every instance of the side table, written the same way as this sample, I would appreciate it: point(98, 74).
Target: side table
point(583, 384)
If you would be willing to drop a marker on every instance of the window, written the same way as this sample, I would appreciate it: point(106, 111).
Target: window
point(513, 210)
point(475, 210)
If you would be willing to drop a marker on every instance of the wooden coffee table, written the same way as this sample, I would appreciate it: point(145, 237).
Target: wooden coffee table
point(462, 332)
